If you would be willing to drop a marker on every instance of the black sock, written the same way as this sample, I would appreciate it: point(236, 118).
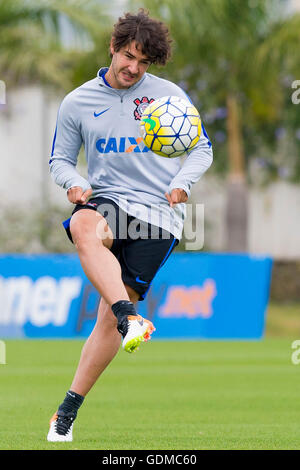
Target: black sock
point(123, 308)
point(72, 402)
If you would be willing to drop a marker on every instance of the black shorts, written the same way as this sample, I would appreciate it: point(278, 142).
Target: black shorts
point(141, 248)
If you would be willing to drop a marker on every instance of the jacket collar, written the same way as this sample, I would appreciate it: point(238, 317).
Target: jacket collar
point(102, 82)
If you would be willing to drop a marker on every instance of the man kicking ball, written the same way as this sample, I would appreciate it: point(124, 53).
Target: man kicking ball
point(129, 213)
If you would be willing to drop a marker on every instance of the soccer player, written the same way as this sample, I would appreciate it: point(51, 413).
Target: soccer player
point(129, 212)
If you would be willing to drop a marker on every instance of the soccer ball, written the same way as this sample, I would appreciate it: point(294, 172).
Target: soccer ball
point(170, 126)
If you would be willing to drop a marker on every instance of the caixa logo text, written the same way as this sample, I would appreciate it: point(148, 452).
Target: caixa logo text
point(40, 302)
point(121, 145)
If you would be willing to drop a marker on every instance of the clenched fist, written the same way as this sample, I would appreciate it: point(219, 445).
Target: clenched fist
point(77, 196)
point(177, 195)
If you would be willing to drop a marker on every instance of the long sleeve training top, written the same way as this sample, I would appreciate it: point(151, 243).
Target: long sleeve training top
point(105, 121)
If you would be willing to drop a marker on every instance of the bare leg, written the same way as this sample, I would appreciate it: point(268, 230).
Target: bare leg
point(93, 240)
point(99, 349)
point(89, 232)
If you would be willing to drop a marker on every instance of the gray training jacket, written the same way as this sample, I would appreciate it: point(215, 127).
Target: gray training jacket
point(105, 121)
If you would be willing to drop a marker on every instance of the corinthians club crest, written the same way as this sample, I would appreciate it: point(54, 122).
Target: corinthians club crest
point(141, 105)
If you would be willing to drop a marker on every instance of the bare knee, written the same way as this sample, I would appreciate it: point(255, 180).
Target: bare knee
point(88, 228)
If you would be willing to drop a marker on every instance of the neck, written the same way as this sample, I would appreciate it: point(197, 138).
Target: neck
point(109, 77)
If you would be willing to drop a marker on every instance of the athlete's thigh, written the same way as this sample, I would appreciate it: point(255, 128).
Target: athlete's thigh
point(89, 225)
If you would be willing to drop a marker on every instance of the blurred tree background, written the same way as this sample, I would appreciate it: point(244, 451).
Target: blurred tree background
point(236, 59)
point(54, 43)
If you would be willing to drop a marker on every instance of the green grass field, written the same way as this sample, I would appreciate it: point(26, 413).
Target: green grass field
point(169, 395)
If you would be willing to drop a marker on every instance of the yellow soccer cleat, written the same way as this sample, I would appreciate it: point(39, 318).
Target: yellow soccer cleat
point(135, 330)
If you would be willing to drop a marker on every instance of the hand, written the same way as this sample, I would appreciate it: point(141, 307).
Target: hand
point(177, 195)
point(77, 196)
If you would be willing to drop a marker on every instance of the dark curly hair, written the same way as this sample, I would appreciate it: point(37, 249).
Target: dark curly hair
point(150, 34)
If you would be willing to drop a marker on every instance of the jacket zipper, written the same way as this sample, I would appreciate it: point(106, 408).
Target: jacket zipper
point(122, 106)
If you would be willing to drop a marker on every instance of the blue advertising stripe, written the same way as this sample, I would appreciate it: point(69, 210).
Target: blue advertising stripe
point(196, 295)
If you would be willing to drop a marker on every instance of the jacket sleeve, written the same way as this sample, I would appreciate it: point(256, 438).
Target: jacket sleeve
point(67, 142)
point(198, 160)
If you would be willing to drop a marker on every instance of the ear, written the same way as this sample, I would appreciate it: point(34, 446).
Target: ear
point(111, 46)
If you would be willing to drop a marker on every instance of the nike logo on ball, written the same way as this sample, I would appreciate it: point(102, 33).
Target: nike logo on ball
point(102, 112)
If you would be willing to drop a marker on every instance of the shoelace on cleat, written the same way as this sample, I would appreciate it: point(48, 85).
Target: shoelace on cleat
point(64, 422)
point(123, 325)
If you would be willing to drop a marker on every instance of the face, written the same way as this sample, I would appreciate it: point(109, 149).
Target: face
point(127, 67)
